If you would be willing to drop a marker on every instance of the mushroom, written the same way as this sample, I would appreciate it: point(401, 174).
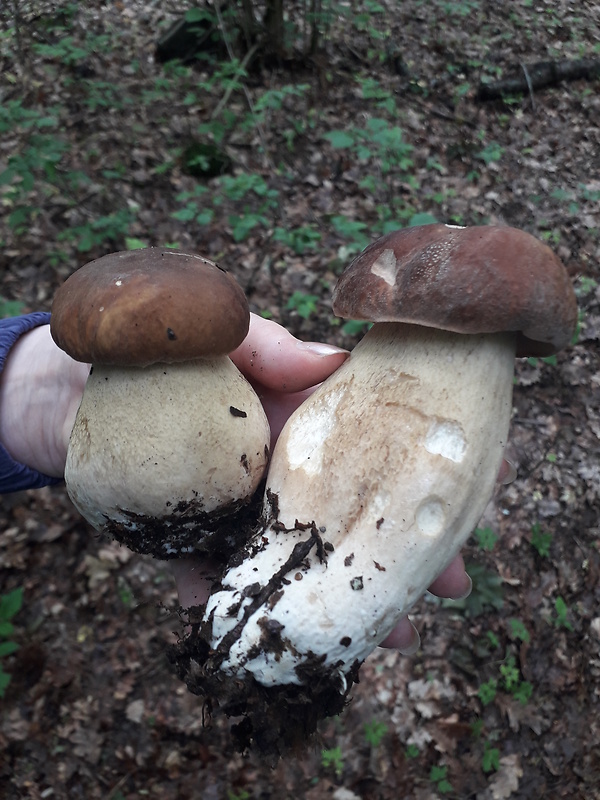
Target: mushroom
point(381, 475)
point(170, 440)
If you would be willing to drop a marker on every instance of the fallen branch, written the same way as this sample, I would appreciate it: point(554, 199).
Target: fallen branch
point(539, 76)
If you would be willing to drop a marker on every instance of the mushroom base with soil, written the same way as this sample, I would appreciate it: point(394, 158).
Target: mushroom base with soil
point(162, 456)
point(375, 483)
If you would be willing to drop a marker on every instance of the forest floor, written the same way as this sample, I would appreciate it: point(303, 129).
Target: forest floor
point(503, 698)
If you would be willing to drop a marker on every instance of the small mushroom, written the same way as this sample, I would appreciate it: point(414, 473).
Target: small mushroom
point(170, 439)
point(391, 462)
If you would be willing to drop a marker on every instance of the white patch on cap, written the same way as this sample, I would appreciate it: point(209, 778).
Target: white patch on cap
point(447, 439)
point(308, 433)
point(431, 516)
point(385, 267)
point(456, 227)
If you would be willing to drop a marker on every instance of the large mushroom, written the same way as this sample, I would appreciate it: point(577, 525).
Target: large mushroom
point(170, 440)
point(381, 475)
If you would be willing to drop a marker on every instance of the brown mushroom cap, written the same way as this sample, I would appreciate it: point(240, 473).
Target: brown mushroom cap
point(484, 279)
point(141, 307)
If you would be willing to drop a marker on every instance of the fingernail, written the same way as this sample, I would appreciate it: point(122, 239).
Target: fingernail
point(321, 349)
point(510, 473)
point(412, 648)
point(467, 592)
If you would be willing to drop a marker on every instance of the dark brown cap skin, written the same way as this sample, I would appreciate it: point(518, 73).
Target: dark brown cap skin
point(140, 307)
point(484, 279)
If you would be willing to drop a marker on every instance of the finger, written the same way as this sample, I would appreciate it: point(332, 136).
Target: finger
point(405, 638)
point(271, 356)
point(453, 582)
point(194, 580)
point(278, 407)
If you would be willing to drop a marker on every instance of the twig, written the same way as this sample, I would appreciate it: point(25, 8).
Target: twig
point(233, 59)
point(19, 41)
point(529, 85)
point(223, 102)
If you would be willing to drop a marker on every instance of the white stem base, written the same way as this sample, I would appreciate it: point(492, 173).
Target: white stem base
point(168, 439)
point(394, 459)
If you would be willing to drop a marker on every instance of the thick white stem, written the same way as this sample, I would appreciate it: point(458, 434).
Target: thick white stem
point(165, 443)
point(394, 459)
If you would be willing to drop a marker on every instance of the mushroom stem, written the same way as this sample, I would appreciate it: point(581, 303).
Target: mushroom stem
point(375, 483)
point(160, 454)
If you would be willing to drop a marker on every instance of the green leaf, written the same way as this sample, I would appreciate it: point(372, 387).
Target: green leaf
point(5, 679)
point(6, 648)
point(186, 214)
point(11, 603)
point(518, 630)
point(486, 538)
point(437, 773)
point(523, 692)
point(6, 629)
point(487, 692)
point(339, 139)
point(422, 218)
point(491, 758)
point(131, 243)
point(10, 308)
point(196, 15)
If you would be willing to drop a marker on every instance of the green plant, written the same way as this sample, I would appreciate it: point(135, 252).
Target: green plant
point(486, 592)
point(241, 795)
point(374, 732)
point(561, 619)
point(305, 305)
point(10, 308)
point(412, 751)
point(518, 631)
point(541, 540)
point(251, 200)
point(125, 592)
point(490, 153)
point(354, 327)
point(510, 674)
point(381, 143)
point(353, 232)
point(551, 360)
point(421, 218)
point(523, 692)
point(487, 691)
point(372, 90)
point(333, 758)
point(509, 680)
point(10, 605)
point(459, 8)
point(512, 682)
point(490, 760)
point(585, 286)
point(438, 776)
point(299, 239)
point(109, 228)
point(486, 538)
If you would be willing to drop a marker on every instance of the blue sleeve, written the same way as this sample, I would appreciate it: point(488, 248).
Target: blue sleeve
point(15, 477)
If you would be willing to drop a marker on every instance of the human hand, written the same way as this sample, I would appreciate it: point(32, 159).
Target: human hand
point(40, 391)
point(284, 372)
point(41, 388)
